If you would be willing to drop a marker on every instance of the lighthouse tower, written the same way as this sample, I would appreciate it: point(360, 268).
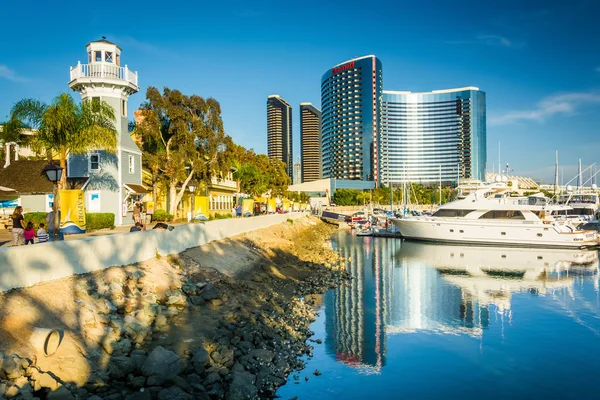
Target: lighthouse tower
point(113, 182)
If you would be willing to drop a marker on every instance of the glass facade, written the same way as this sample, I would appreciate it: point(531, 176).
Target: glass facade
point(279, 131)
point(431, 136)
point(351, 113)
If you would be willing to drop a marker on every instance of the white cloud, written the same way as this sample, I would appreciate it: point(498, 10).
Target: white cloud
point(11, 75)
point(490, 40)
point(566, 104)
point(128, 42)
point(495, 40)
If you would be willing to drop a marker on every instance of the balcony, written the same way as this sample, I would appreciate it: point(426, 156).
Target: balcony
point(227, 183)
point(105, 71)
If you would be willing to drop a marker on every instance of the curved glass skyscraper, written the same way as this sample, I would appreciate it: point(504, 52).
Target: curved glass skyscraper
point(351, 112)
point(431, 136)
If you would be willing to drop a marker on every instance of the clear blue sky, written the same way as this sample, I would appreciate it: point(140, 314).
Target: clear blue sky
point(538, 61)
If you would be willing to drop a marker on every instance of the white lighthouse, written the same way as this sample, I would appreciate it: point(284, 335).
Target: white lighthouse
point(113, 181)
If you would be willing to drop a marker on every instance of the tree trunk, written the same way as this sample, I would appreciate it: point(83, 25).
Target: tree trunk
point(177, 198)
point(63, 164)
point(172, 197)
point(154, 187)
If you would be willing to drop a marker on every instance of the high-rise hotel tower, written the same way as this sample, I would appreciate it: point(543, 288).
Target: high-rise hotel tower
point(433, 136)
point(388, 137)
point(310, 142)
point(351, 107)
point(279, 131)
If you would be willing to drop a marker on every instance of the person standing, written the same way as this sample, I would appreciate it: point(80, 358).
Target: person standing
point(50, 223)
point(137, 211)
point(18, 226)
point(29, 233)
point(42, 234)
point(233, 212)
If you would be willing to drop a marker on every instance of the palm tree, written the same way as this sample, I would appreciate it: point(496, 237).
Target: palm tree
point(14, 131)
point(66, 127)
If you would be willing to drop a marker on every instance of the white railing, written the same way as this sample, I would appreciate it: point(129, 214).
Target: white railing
point(103, 70)
point(224, 182)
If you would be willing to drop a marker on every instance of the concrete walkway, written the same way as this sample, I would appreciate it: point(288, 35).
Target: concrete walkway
point(6, 236)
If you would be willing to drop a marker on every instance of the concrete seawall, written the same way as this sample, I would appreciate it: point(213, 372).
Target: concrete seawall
point(27, 265)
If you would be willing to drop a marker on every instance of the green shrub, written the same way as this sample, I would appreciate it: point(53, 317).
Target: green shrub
point(36, 217)
point(222, 216)
point(95, 221)
point(162, 216)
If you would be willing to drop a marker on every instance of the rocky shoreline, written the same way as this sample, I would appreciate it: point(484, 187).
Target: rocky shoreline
point(179, 328)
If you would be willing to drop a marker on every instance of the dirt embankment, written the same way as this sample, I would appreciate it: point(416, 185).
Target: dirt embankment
point(226, 320)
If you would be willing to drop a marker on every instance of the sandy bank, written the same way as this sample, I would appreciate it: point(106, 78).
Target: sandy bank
point(228, 319)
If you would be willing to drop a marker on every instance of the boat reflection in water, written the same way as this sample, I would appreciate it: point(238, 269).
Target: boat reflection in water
point(406, 287)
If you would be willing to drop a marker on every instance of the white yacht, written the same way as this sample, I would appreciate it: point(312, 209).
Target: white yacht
point(491, 218)
point(584, 206)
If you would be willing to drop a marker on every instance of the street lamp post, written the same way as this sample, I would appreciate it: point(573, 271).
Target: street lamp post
point(54, 173)
point(192, 189)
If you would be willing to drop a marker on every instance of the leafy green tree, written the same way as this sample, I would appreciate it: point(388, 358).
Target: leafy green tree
point(257, 174)
point(363, 198)
point(186, 133)
point(346, 197)
point(65, 127)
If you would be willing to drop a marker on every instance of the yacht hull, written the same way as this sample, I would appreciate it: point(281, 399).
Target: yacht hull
point(493, 234)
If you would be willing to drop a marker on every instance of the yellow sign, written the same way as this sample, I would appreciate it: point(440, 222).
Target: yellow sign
point(287, 205)
point(150, 207)
point(72, 211)
point(201, 204)
point(271, 205)
point(247, 206)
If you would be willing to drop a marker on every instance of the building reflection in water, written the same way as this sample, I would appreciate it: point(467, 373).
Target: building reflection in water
point(403, 287)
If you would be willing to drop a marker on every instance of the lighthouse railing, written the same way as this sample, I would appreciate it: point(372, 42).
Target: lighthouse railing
point(103, 70)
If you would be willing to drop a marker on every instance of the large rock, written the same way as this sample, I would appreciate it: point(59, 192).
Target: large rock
point(46, 380)
point(162, 365)
point(242, 387)
point(262, 355)
point(200, 359)
point(120, 367)
point(11, 369)
point(145, 395)
point(62, 393)
point(210, 292)
point(173, 393)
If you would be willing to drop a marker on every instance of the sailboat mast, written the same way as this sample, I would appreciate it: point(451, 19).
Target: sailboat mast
point(556, 174)
point(440, 185)
point(580, 180)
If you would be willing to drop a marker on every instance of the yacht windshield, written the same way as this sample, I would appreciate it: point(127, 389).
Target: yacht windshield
point(445, 212)
point(578, 198)
point(574, 211)
point(503, 214)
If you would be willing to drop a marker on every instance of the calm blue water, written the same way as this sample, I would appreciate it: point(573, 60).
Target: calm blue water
point(433, 321)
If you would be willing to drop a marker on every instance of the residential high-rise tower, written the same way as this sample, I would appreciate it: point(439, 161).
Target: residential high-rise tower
point(279, 131)
point(310, 142)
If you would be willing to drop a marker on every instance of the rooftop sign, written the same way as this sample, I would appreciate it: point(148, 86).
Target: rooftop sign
point(343, 67)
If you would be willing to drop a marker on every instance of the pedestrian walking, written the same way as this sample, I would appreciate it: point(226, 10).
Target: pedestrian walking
point(233, 212)
point(29, 233)
point(42, 235)
point(18, 226)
